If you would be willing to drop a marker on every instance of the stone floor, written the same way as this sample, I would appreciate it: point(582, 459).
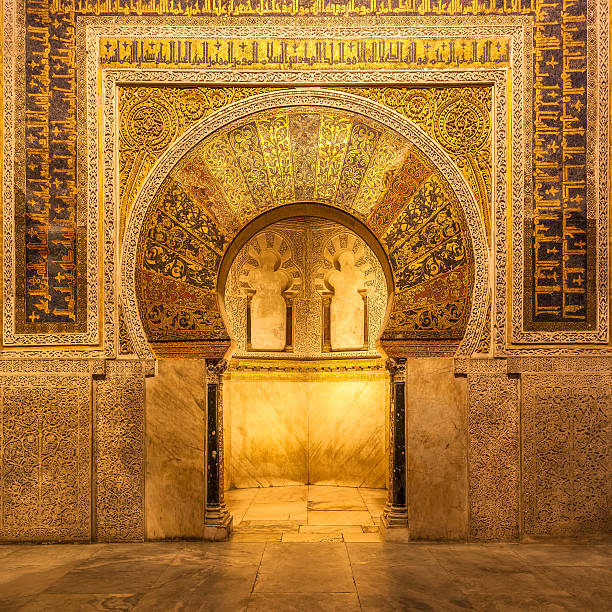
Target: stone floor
point(309, 576)
point(308, 513)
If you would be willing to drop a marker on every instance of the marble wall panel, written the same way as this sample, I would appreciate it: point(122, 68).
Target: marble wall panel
point(175, 449)
point(494, 457)
point(45, 457)
point(267, 422)
point(119, 444)
point(436, 444)
point(347, 432)
point(567, 436)
point(297, 431)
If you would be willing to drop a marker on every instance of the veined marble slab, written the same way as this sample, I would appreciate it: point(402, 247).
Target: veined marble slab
point(175, 433)
point(296, 431)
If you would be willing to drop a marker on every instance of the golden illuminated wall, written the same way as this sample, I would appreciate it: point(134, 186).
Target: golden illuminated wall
point(512, 97)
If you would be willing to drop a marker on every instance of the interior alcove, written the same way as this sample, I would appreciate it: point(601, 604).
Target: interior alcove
point(307, 414)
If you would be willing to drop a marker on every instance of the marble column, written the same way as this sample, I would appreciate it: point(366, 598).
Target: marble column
point(394, 520)
point(217, 519)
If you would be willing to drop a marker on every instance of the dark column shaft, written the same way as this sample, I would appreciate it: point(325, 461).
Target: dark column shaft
point(399, 445)
point(212, 453)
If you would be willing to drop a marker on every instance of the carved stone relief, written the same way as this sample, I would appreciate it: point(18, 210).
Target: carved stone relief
point(269, 279)
point(347, 309)
point(566, 453)
point(308, 253)
point(45, 456)
point(493, 431)
point(268, 308)
point(119, 446)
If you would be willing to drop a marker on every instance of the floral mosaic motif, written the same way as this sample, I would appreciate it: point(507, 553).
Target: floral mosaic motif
point(441, 319)
point(459, 120)
point(325, 155)
point(119, 434)
point(565, 425)
point(138, 108)
point(494, 451)
point(361, 146)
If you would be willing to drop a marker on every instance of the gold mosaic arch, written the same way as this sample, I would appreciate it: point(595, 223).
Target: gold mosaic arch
point(304, 145)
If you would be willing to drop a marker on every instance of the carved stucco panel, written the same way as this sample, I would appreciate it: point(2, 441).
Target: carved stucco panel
point(119, 452)
point(45, 457)
point(567, 487)
point(493, 430)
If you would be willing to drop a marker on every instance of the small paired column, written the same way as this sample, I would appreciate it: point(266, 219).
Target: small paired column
point(217, 519)
point(394, 520)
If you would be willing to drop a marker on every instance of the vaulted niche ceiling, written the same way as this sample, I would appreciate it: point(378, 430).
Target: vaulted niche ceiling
point(305, 154)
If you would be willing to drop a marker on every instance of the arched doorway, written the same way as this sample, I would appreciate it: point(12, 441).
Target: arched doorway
point(271, 152)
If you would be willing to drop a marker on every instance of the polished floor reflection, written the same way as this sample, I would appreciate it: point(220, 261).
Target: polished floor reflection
point(279, 576)
point(307, 513)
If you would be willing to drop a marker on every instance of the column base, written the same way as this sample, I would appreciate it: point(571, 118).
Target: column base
point(394, 524)
point(218, 523)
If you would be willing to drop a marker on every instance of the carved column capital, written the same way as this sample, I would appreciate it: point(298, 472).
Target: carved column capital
point(215, 368)
point(396, 368)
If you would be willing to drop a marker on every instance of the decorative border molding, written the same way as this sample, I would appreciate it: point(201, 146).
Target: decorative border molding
point(13, 71)
point(493, 457)
point(598, 164)
point(62, 511)
point(534, 363)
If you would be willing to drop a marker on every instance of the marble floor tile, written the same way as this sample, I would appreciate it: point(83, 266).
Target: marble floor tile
point(340, 517)
point(389, 554)
point(274, 575)
point(289, 536)
point(240, 495)
point(335, 498)
point(407, 587)
point(566, 554)
point(62, 602)
point(468, 559)
point(590, 585)
point(7, 549)
point(330, 528)
point(261, 536)
point(293, 602)
point(278, 511)
point(265, 495)
point(351, 536)
point(516, 591)
point(305, 568)
point(32, 569)
point(108, 577)
point(315, 506)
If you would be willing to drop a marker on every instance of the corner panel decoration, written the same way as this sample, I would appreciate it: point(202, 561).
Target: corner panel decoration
point(325, 147)
point(567, 435)
point(45, 453)
point(119, 439)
